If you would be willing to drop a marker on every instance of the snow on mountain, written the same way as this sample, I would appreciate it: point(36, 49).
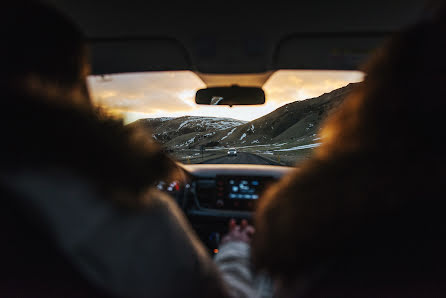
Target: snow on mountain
point(229, 133)
point(187, 131)
point(209, 122)
point(162, 119)
point(301, 147)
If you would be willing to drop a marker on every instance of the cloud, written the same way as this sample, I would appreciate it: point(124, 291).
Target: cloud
point(171, 93)
point(146, 92)
point(291, 85)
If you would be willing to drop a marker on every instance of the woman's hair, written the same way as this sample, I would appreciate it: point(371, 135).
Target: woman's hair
point(42, 50)
point(374, 188)
point(116, 158)
point(38, 40)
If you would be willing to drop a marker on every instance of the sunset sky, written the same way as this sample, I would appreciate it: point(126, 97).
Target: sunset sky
point(171, 93)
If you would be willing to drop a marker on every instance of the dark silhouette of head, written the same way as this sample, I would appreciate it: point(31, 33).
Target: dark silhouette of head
point(48, 119)
point(43, 52)
point(48, 123)
point(369, 205)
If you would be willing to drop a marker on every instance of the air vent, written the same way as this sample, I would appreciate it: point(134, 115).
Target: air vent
point(206, 193)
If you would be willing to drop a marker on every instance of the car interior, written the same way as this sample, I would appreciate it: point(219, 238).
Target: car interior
point(227, 44)
point(234, 49)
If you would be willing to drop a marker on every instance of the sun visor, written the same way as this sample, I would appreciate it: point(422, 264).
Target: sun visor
point(247, 80)
point(118, 56)
point(325, 52)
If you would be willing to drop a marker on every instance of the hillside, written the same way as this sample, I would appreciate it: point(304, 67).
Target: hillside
point(186, 131)
point(289, 122)
point(294, 123)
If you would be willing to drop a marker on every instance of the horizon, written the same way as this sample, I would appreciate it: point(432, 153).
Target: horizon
point(135, 96)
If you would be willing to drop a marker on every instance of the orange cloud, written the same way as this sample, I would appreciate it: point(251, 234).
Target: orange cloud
point(171, 94)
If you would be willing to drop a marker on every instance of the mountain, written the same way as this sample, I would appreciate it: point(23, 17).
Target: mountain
point(289, 123)
point(186, 131)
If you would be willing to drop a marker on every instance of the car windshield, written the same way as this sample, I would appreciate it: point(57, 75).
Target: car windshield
point(283, 131)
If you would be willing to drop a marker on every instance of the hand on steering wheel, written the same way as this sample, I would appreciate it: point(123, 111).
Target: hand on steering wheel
point(242, 232)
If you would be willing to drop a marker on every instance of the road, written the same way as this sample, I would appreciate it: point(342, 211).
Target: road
point(241, 158)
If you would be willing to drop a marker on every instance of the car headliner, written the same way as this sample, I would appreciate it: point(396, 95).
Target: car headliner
point(227, 44)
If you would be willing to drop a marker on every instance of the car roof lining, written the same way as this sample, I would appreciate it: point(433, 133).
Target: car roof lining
point(224, 44)
point(222, 80)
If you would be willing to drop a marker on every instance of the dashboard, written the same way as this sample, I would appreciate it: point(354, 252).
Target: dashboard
point(227, 190)
point(211, 194)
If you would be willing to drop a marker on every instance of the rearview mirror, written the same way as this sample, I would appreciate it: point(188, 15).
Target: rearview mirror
point(229, 96)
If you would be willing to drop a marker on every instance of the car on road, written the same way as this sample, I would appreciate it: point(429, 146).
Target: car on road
point(232, 152)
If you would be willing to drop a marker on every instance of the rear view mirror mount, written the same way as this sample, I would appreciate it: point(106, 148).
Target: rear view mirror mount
point(229, 96)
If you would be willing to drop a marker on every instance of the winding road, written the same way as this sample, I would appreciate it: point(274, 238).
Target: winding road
point(242, 158)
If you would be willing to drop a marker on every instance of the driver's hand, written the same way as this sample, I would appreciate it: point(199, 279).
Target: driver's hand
point(242, 232)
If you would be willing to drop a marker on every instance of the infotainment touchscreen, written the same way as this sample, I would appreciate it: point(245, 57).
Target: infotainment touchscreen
point(241, 188)
point(240, 192)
